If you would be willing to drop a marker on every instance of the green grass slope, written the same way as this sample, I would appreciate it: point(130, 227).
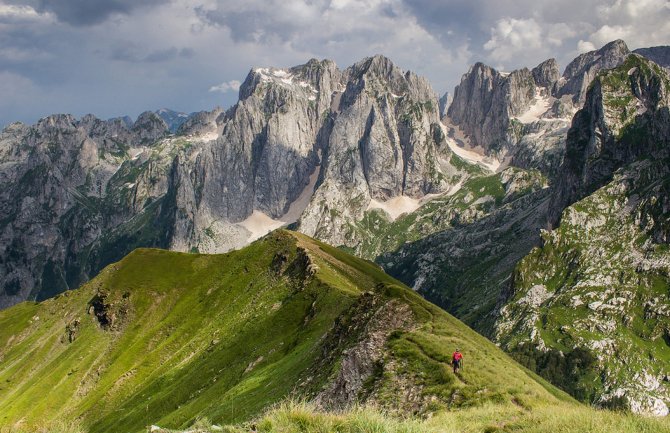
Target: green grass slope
point(163, 338)
point(305, 418)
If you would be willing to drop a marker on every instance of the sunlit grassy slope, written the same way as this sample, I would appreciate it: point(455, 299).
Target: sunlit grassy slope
point(164, 338)
point(559, 418)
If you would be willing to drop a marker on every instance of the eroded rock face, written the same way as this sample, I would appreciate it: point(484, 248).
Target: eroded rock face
point(546, 74)
point(360, 340)
point(65, 184)
point(582, 70)
point(311, 145)
point(385, 142)
point(598, 284)
point(497, 111)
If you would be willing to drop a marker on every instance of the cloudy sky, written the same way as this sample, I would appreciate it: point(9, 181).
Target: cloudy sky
point(117, 57)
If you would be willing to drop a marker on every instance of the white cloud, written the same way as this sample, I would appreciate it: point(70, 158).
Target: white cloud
point(585, 46)
point(608, 33)
point(511, 37)
point(227, 86)
point(19, 96)
point(22, 14)
point(640, 23)
point(180, 44)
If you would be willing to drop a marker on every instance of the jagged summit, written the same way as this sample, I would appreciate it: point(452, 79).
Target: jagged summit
point(582, 70)
point(547, 74)
point(310, 145)
point(520, 117)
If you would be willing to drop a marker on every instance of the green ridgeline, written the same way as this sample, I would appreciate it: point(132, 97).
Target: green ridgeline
point(164, 338)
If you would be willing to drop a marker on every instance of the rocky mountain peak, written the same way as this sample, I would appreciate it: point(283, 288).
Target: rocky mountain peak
point(582, 70)
point(485, 102)
point(378, 64)
point(546, 74)
point(625, 116)
point(315, 75)
point(57, 121)
point(149, 127)
point(314, 70)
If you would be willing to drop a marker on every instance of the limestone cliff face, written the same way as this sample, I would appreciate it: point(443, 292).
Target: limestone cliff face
point(495, 111)
point(521, 118)
point(582, 70)
point(311, 145)
point(594, 295)
point(385, 141)
point(262, 159)
point(64, 184)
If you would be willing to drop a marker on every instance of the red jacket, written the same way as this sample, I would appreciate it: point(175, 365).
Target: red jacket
point(457, 356)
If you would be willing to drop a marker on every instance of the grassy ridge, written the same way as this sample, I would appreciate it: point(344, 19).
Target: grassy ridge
point(164, 338)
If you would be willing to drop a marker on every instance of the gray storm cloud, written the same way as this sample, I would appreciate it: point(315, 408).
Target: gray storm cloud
point(117, 57)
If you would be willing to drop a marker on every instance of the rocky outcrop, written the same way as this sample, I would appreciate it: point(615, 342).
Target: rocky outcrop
point(149, 127)
point(359, 339)
point(593, 294)
point(625, 117)
point(581, 71)
point(546, 74)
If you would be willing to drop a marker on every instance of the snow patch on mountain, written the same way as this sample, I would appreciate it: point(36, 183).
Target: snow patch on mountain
point(396, 206)
point(401, 205)
point(259, 224)
point(541, 103)
point(473, 157)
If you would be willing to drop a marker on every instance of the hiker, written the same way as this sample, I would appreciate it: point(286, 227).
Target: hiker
point(457, 360)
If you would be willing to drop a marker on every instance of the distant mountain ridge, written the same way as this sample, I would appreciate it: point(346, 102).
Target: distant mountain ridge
point(363, 159)
point(312, 143)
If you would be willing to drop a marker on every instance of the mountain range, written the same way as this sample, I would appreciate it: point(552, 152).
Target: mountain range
point(532, 205)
